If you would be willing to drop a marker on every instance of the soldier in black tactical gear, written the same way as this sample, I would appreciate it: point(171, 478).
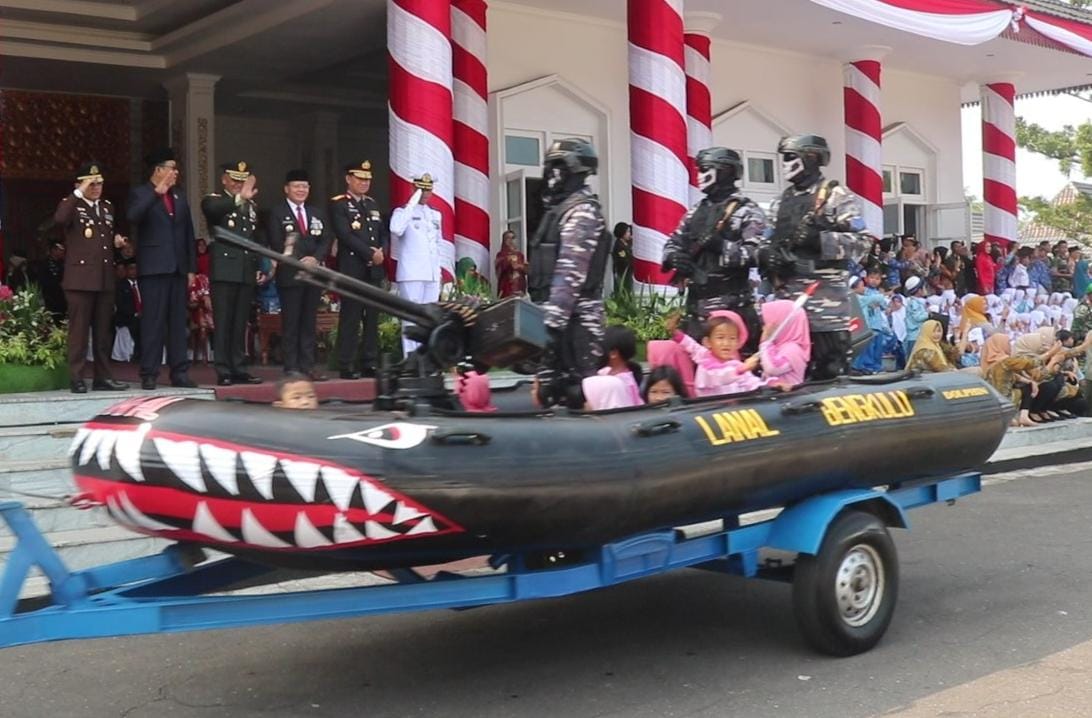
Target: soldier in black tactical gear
point(818, 227)
point(569, 255)
point(716, 244)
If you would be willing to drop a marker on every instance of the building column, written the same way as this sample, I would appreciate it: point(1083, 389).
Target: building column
point(319, 131)
point(193, 132)
point(471, 135)
point(864, 134)
point(999, 161)
point(699, 101)
point(421, 110)
point(657, 116)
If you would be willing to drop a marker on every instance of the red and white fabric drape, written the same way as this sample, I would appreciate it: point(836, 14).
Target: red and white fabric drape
point(864, 135)
point(965, 22)
point(699, 104)
point(1074, 35)
point(999, 162)
point(471, 135)
point(658, 150)
point(421, 126)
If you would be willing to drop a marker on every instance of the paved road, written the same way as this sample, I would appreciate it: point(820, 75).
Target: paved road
point(996, 582)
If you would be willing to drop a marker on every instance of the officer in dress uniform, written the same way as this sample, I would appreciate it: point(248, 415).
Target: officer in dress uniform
point(363, 241)
point(818, 228)
point(234, 272)
point(88, 224)
point(415, 244)
point(300, 230)
point(716, 244)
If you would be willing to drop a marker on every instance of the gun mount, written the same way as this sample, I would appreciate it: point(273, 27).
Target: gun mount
point(495, 335)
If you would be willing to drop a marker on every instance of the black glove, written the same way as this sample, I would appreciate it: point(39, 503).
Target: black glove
point(681, 262)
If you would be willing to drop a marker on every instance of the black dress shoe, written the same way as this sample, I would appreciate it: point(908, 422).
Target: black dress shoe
point(316, 375)
point(244, 378)
point(223, 381)
point(108, 385)
point(350, 375)
point(147, 383)
point(78, 387)
point(183, 382)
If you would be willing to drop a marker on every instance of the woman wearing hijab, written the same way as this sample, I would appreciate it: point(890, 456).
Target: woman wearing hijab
point(974, 316)
point(930, 354)
point(785, 348)
point(1042, 371)
point(1081, 278)
point(602, 392)
point(1009, 375)
point(985, 267)
point(511, 267)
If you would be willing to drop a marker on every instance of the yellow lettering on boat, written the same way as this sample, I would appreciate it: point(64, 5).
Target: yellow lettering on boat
point(966, 393)
point(862, 408)
point(735, 426)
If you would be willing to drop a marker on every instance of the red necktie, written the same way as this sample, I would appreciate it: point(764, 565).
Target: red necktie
point(300, 220)
point(136, 294)
point(168, 202)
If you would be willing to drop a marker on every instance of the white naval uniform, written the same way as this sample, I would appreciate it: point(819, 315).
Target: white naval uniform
point(415, 245)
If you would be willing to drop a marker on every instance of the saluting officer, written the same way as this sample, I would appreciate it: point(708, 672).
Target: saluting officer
point(88, 222)
point(299, 229)
point(234, 271)
point(362, 240)
point(417, 232)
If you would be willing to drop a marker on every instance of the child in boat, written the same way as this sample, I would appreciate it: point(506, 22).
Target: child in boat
point(619, 348)
point(719, 369)
point(785, 348)
point(663, 383)
point(295, 391)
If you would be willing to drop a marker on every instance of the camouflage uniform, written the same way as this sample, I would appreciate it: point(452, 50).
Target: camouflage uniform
point(723, 250)
point(812, 244)
point(1082, 321)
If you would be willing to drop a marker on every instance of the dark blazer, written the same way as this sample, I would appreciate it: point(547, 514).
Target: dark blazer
point(88, 245)
point(359, 228)
point(124, 305)
point(281, 221)
point(164, 244)
point(231, 263)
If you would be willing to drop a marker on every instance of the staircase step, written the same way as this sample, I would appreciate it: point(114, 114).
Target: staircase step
point(35, 442)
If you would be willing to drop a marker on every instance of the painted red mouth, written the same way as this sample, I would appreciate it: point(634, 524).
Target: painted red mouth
point(213, 491)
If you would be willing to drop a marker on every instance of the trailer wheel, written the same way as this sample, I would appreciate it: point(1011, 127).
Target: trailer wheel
point(844, 597)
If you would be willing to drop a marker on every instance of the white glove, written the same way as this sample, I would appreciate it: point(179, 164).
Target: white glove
point(414, 199)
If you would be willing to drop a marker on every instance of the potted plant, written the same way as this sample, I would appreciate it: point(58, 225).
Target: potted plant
point(642, 312)
point(33, 349)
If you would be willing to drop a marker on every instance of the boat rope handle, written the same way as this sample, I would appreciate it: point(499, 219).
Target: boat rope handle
point(657, 427)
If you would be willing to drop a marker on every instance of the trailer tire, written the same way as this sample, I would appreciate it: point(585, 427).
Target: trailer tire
point(844, 596)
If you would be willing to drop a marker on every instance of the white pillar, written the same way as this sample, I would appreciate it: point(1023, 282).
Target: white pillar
point(193, 130)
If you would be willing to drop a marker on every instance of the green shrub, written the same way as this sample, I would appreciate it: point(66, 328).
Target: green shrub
point(643, 312)
point(28, 334)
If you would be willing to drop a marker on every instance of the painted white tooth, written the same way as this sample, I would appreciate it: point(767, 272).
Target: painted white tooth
point(221, 464)
point(307, 536)
point(77, 440)
point(345, 532)
point(377, 531)
point(425, 527)
point(303, 475)
point(116, 512)
point(90, 446)
point(256, 534)
point(259, 467)
point(182, 459)
point(105, 449)
point(405, 513)
point(127, 451)
point(374, 499)
point(339, 485)
point(140, 518)
point(205, 523)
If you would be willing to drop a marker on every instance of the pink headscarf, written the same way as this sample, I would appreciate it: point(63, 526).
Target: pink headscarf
point(793, 341)
point(741, 326)
point(606, 392)
point(664, 352)
point(473, 391)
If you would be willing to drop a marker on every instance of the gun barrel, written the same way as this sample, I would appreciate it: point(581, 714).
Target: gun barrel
point(345, 285)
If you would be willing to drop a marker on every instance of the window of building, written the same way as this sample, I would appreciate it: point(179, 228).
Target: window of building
point(910, 183)
point(760, 170)
point(889, 180)
point(524, 151)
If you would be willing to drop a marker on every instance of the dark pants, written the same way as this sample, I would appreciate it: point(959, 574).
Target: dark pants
point(829, 355)
point(163, 323)
point(230, 313)
point(299, 307)
point(89, 312)
point(348, 335)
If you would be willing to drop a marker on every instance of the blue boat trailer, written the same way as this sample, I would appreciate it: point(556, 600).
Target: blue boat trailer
point(845, 576)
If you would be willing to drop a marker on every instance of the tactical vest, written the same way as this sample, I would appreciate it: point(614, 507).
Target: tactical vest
point(546, 246)
point(791, 213)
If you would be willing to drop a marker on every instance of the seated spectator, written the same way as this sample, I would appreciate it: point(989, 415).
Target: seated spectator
point(661, 384)
point(974, 317)
point(719, 369)
point(929, 354)
point(785, 348)
point(619, 348)
point(295, 391)
point(473, 391)
point(970, 357)
point(18, 277)
point(606, 392)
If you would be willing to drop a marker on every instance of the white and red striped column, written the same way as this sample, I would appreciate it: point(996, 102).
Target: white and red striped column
point(657, 117)
point(699, 101)
point(421, 126)
point(864, 137)
point(999, 162)
point(471, 138)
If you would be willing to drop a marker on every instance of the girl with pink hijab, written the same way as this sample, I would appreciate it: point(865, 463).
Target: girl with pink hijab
point(784, 357)
point(719, 369)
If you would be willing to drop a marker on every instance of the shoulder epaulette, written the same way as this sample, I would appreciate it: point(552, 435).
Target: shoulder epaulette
point(337, 197)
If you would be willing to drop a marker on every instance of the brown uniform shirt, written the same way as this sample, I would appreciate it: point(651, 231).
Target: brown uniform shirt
point(89, 244)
